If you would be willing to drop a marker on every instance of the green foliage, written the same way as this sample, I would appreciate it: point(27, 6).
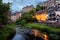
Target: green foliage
point(5, 32)
point(28, 15)
point(54, 37)
point(43, 27)
point(39, 8)
point(3, 9)
point(52, 32)
point(3, 19)
point(42, 7)
point(35, 20)
point(0, 2)
point(26, 18)
point(21, 21)
point(32, 11)
point(9, 28)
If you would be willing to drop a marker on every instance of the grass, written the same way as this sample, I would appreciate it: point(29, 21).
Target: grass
point(42, 27)
point(5, 32)
point(52, 32)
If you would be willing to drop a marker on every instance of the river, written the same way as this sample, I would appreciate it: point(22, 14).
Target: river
point(23, 33)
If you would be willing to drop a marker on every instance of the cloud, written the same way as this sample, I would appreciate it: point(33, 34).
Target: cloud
point(17, 5)
point(6, 1)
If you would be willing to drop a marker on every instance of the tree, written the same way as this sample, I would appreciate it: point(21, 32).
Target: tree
point(3, 9)
point(42, 7)
point(32, 11)
point(26, 18)
point(39, 8)
point(28, 15)
point(21, 21)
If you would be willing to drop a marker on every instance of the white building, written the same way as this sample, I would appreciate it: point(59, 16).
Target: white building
point(57, 12)
point(15, 17)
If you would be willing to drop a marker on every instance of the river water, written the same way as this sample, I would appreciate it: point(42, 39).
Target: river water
point(27, 34)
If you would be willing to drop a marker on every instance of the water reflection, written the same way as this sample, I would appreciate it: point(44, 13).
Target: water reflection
point(19, 37)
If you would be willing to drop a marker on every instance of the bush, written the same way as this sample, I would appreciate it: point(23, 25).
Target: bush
point(7, 31)
point(4, 7)
point(52, 32)
point(28, 15)
point(39, 8)
point(21, 21)
point(53, 37)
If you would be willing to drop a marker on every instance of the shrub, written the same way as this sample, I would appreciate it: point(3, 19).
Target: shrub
point(53, 37)
point(52, 32)
point(5, 32)
point(21, 21)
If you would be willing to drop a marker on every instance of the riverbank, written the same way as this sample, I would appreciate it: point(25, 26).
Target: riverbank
point(52, 32)
point(8, 30)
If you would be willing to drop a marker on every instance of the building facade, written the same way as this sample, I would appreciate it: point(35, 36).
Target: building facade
point(15, 16)
point(27, 8)
point(54, 13)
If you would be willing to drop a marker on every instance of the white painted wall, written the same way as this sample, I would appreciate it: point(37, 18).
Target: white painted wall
point(13, 18)
point(57, 12)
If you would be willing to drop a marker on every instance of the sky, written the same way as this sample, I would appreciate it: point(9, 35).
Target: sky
point(17, 5)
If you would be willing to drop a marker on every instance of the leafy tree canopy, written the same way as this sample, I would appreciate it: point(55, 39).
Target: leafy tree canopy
point(39, 8)
point(4, 7)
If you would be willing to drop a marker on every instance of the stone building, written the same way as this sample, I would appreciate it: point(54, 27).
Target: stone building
point(27, 8)
point(54, 13)
point(51, 14)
